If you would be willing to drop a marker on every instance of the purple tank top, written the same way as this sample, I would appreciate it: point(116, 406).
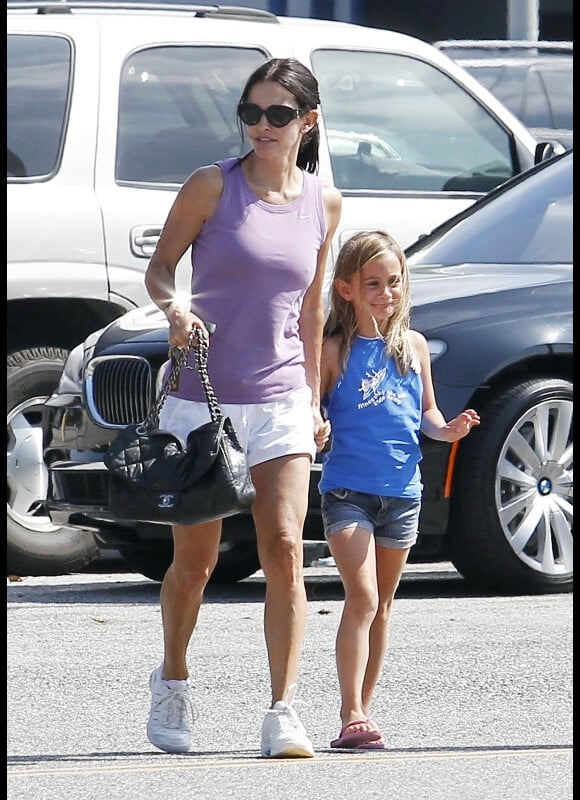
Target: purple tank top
point(252, 264)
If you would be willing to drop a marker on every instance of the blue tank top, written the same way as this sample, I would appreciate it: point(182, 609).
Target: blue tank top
point(251, 266)
point(375, 415)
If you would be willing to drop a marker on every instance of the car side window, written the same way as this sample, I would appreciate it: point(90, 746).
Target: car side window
point(505, 82)
point(177, 110)
point(558, 86)
point(394, 122)
point(536, 108)
point(38, 89)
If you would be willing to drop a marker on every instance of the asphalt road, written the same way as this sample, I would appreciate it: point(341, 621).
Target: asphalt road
point(475, 701)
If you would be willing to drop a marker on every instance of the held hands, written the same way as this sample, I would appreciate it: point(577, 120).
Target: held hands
point(461, 425)
point(321, 429)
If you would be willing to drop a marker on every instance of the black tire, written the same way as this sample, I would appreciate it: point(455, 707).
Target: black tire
point(150, 559)
point(511, 512)
point(34, 546)
point(237, 560)
point(238, 557)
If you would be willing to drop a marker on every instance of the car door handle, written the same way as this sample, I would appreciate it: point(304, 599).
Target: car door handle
point(143, 240)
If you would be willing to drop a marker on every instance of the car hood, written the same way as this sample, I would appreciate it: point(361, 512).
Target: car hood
point(142, 326)
point(431, 286)
point(436, 283)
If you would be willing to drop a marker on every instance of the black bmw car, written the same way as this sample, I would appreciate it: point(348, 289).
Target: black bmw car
point(492, 292)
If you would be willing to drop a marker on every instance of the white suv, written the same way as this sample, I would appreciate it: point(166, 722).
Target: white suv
point(110, 107)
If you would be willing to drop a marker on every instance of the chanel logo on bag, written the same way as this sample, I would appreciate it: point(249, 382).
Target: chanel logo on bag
point(166, 501)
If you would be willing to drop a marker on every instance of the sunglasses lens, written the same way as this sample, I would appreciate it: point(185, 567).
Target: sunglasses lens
point(278, 116)
point(249, 113)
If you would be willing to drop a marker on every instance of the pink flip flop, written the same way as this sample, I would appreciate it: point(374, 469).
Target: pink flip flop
point(378, 744)
point(364, 739)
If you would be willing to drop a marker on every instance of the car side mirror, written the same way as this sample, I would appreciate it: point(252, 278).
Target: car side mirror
point(546, 150)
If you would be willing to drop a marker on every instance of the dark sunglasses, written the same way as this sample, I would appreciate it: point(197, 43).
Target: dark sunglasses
point(278, 116)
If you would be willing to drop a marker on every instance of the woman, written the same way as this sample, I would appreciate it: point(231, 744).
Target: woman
point(260, 228)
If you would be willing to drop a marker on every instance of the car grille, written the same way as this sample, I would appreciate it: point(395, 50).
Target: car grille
point(119, 390)
point(77, 485)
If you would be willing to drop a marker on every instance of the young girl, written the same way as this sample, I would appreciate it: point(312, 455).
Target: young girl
point(377, 391)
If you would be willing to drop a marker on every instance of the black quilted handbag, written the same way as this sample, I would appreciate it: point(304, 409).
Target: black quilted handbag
point(153, 478)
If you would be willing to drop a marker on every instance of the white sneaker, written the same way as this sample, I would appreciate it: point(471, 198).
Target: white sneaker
point(283, 735)
point(171, 717)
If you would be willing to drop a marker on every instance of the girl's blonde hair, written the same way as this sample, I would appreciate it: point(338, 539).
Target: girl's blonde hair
point(353, 255)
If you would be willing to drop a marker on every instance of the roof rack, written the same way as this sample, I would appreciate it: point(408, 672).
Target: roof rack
point(541, 45)
point(67, 6)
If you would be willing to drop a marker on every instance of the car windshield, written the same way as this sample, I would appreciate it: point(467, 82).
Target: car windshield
point(530, 221)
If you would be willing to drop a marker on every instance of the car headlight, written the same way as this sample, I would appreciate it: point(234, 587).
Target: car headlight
point(437, 348)
point(71, 379)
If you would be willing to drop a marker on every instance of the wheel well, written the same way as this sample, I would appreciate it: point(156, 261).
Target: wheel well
point(56, 322)
point(549, 365)
point(553, 366)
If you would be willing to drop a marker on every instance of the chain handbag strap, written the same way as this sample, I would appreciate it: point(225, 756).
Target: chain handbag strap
point(201, 353)
point(199, 344)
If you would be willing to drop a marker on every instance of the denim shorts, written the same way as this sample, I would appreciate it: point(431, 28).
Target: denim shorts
point(265, 430)
point(392, 520)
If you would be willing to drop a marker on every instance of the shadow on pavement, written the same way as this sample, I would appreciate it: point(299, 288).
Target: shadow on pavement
point(122, 588)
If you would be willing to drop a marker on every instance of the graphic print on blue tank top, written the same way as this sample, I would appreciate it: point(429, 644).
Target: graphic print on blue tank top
point(375, 414)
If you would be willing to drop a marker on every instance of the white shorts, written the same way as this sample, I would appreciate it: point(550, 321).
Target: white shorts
point(265, 430)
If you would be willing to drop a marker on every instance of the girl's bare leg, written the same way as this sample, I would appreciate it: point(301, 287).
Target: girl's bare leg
point(353, 550)
point(389, 568)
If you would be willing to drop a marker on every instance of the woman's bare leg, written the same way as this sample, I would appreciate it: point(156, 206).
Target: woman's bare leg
point(195, 554)
point(279, 514)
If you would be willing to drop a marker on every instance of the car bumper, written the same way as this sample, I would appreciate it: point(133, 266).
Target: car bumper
point(78, 497)
point(78, 485)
